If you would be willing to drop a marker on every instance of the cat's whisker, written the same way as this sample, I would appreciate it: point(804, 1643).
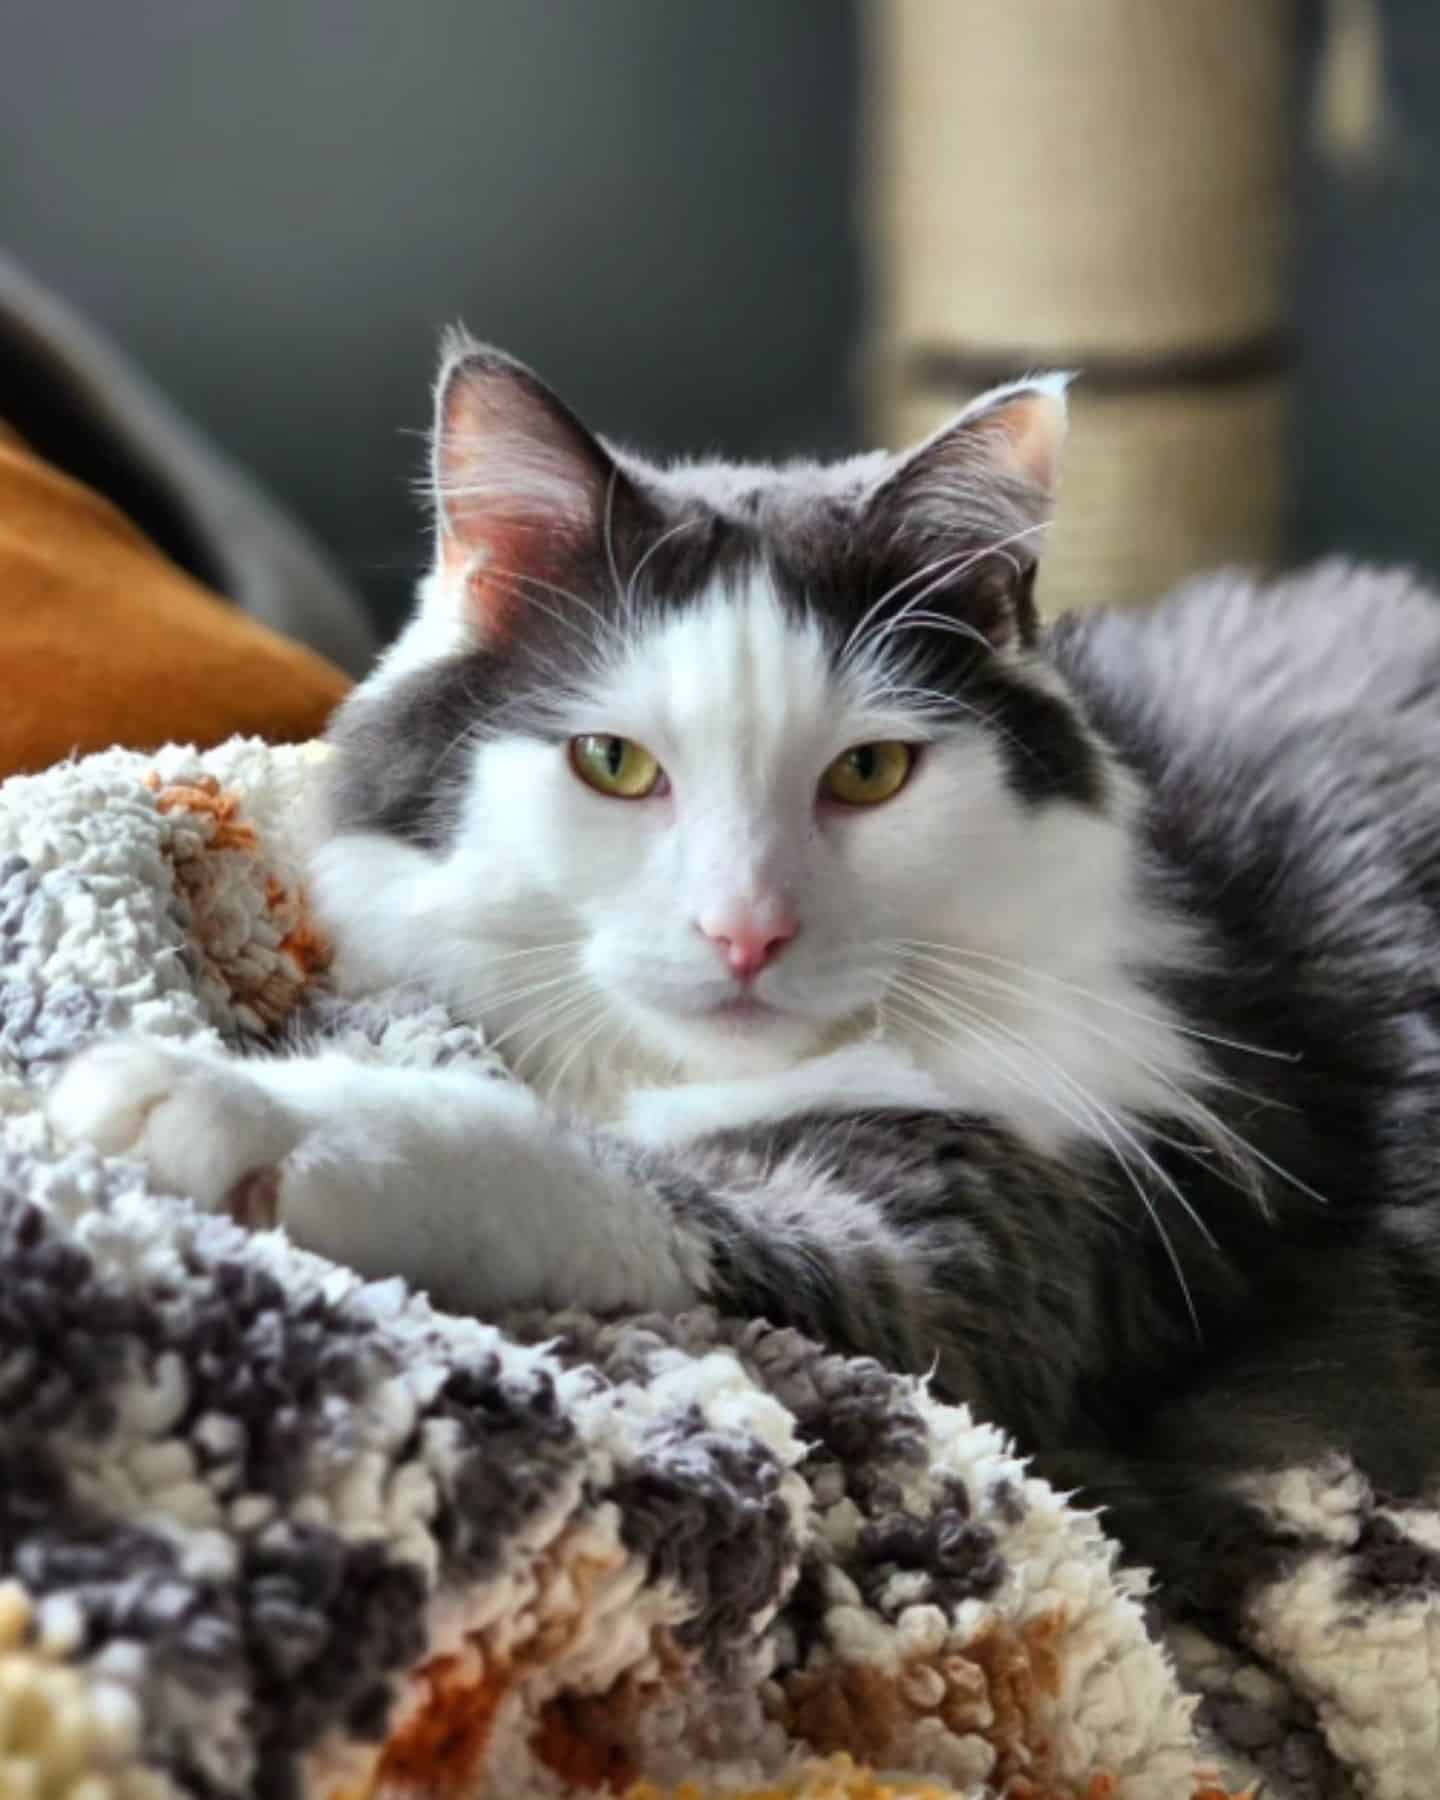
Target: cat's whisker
point(554, 1084)
point(608, 532)
point(492, 1005)
point(975, 980)
point(854, 641)
point(999, 548)
point(1103, 1122)
point(578, 1018)
point(975, 983)
point(640, 567)
point(875, 641)
point(1096, 999)
point(986, 980)
point(490, 1001)
point(558, 1016)
point(917, 995)
point(550, 1008)
point(965, 559)
point(1097, 1128)
point(1083, 1094)
point(604, 627)
point(1239, 1156)
point(1241, 1153)
point(470, 733)
point(547, 587)
point(554, 949)
point(464, 739)
point(910, 1016)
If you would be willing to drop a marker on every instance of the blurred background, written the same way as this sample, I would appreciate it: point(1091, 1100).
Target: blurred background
point(759, 226)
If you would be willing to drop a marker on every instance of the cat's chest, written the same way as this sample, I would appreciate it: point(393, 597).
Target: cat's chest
point(1047, 1093)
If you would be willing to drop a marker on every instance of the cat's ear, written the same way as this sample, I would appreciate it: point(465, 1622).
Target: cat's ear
point(523, 492)
point(970, 505)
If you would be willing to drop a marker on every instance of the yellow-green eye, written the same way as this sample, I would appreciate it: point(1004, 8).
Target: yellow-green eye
point(868, 774)
point(615, 766)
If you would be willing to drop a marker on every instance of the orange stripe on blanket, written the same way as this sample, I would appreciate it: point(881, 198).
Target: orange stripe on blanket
point(218, 857)
point(440, 1748)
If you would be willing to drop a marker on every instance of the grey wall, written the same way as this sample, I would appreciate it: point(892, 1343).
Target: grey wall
point(1369, 306)
point(274, 204)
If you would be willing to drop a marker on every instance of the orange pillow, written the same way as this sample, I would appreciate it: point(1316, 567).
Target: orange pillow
point(104, 641)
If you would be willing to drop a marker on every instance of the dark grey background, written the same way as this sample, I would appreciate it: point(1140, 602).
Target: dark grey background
point(274, 204)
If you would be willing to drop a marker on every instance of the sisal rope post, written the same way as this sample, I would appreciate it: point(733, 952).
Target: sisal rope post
point(1101, 185)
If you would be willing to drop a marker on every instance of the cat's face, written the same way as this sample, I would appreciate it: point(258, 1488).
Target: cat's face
point(697, 763)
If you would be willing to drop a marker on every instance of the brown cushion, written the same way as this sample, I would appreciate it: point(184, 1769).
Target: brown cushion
point(104, 641)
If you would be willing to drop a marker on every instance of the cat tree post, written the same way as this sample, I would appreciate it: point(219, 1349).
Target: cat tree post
point(1101, 185)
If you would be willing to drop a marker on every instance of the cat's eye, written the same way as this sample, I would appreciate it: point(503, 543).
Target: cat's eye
point(615, 765)
point(868, 774)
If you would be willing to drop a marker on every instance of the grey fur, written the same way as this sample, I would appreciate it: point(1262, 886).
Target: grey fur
point(1285, 742)
point(835, 540)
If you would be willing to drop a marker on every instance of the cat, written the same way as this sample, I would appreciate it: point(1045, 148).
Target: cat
point(1050, 1011)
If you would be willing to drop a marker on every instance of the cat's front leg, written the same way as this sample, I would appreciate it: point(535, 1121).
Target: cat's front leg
point(465, 1185)
point(199, 1121)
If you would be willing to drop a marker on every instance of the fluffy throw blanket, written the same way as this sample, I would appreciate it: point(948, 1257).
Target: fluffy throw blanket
point(267, 1529)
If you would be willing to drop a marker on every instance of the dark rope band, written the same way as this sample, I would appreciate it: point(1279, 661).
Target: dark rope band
point(963, 372)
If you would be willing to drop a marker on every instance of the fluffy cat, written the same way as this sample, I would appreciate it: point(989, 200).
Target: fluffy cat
point(1055, 1012)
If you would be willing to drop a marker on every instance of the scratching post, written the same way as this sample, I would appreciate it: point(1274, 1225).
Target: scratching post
point(1102, 186)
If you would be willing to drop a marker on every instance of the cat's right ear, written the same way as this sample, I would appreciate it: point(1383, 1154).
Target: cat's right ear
point(975, 499)
point(523, 492)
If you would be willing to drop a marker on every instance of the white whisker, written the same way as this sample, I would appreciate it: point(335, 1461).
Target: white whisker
point(1097, 999)
point(555, 1083)
point(608, 531)
point(875, 639)
point(531, 1058)
point(639, 569)
point(1104, 1123)
point(603, 626)
point(1240, 1152)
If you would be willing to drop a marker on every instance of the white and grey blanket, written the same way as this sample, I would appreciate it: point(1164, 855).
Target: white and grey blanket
point(266, 1529)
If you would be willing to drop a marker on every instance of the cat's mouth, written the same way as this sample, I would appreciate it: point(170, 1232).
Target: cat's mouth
point(742, 1009)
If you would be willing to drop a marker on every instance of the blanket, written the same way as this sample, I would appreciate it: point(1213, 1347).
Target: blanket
point(268, 1529)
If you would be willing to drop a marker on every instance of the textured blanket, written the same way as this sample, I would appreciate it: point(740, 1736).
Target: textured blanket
point(267, 1529)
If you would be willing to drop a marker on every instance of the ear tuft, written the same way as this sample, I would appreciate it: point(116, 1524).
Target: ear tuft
point(1026, 425)
point(506, 450)
point(520, 485)
point(1002, 454)
point(456, 343)
point(968, 507)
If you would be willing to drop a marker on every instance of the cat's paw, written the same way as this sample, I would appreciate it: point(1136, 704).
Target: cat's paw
point(201, 1126)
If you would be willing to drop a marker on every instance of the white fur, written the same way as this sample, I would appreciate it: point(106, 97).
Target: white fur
point(743, 709)
point(463, 1182)
point(570, 926)
point(863, 1075)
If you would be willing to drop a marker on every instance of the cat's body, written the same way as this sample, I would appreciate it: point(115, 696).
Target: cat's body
point(1077, 1036)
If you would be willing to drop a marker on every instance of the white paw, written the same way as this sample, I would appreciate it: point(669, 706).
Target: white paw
point(199, 1124)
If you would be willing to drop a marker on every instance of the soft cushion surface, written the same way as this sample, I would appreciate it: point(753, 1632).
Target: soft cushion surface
point(267, 1530)
point(104, 641)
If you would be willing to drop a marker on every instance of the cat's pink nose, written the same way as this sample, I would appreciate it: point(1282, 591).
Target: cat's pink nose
point(750, 938)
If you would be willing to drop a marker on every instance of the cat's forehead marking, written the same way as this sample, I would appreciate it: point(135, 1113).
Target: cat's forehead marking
point(736, 662)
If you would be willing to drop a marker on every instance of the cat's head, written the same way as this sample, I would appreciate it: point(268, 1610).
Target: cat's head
point(702, 757)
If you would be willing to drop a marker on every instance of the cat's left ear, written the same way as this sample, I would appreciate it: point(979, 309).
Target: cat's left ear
point(974, 500)
point(523, 491)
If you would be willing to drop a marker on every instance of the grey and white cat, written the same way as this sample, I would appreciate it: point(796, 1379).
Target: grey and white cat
point(1056, 1011)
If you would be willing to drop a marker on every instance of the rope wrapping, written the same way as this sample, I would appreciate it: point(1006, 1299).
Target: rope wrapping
point(1100, 185)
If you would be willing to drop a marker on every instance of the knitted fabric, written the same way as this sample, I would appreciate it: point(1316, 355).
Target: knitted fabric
point(268, 1529)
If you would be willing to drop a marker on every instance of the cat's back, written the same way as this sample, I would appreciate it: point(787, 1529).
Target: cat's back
point(1288, 738)
point(1228, 661)
point(1309, 704)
